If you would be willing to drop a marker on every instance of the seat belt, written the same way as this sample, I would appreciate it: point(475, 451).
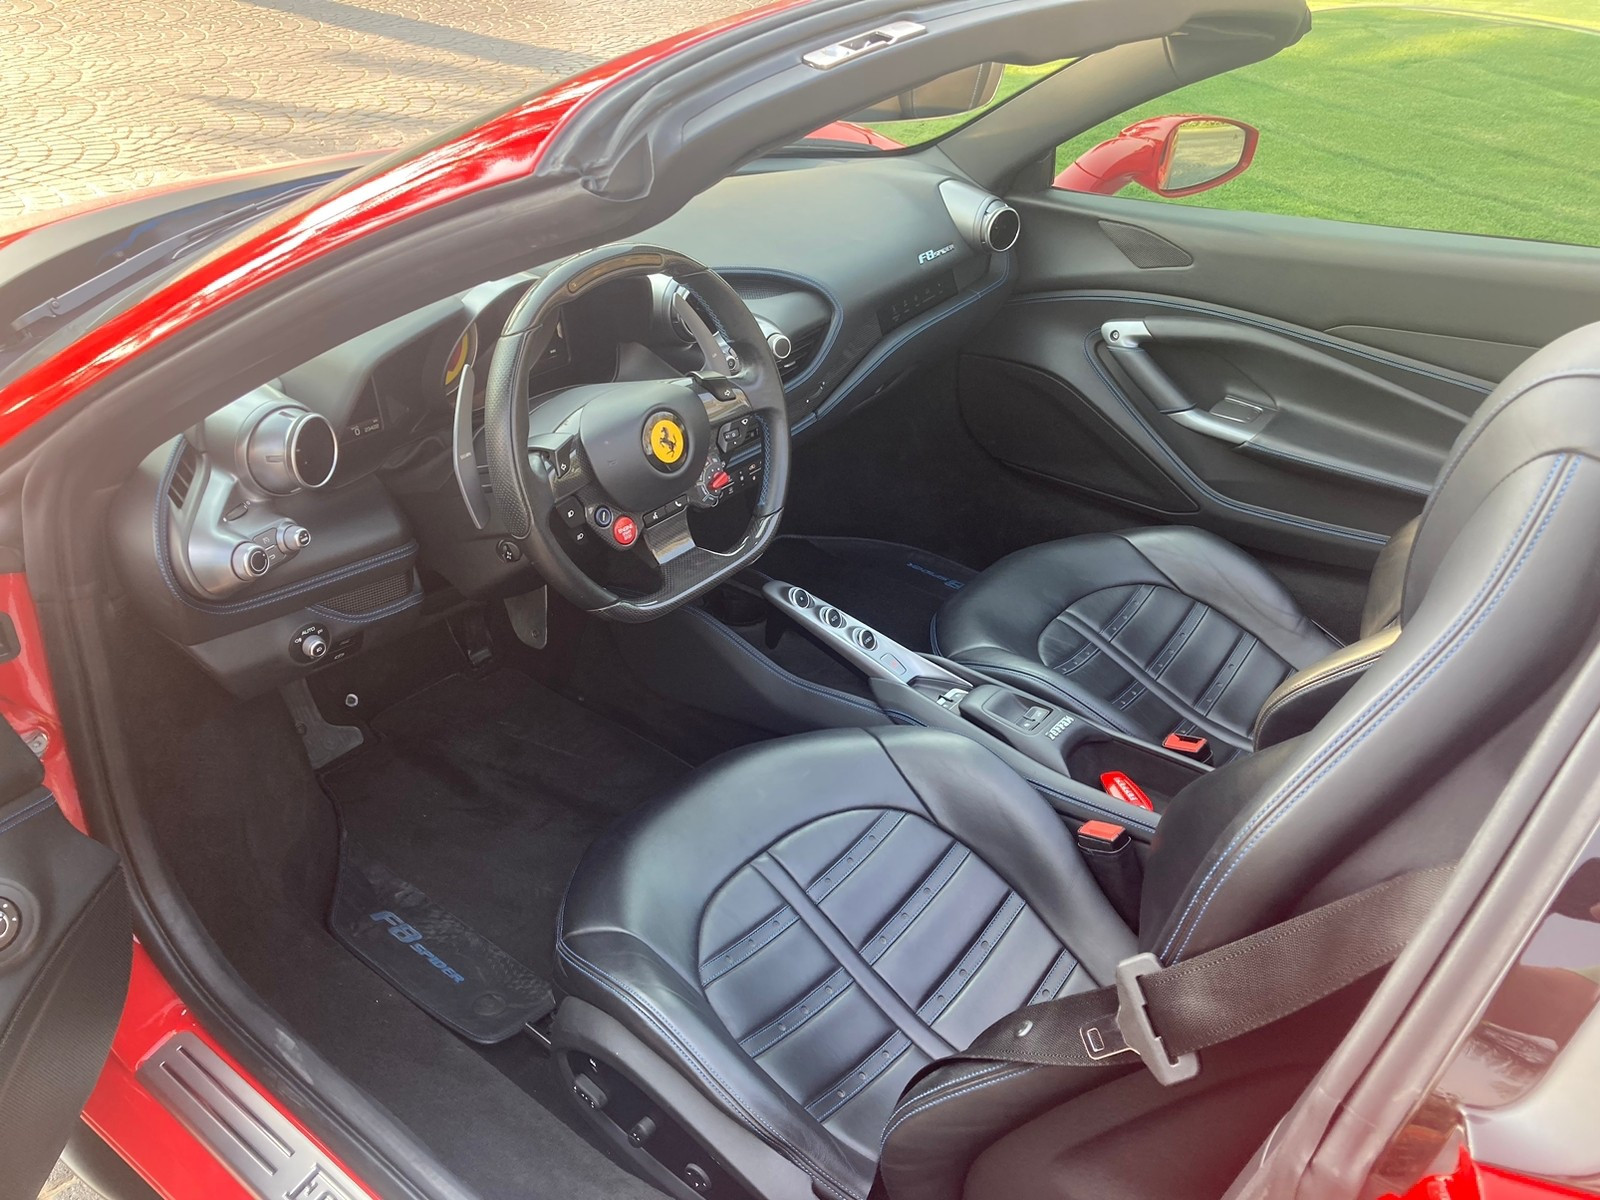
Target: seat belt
point(1166, 1015)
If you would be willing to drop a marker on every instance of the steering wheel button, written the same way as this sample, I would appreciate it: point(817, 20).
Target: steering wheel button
point(602, 516)
point(624, 531)
point(719, 481)
point(571, 512)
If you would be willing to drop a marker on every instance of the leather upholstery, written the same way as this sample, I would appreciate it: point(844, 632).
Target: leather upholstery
point(1382, 608)
point(1303, 699)
point(1150, 631)
point(880, 862)
point(809, 923)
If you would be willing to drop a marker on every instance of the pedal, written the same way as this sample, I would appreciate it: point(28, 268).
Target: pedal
point(530, 617)
point(323, 740)
point(470, 630)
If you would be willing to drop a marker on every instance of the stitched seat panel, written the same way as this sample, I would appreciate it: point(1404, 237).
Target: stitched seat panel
point(1156, 660)
point(929, 922)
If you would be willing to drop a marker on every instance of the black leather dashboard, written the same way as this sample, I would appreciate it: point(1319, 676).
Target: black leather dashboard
point(867, 266)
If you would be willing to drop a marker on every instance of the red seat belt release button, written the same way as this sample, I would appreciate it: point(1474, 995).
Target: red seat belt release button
point(1185, 745)
point(1118, 786)
point(1101, 835)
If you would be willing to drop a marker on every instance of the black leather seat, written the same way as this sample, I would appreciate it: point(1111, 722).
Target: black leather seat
point(813, 921)
point(1159, 631)
point(801, 926)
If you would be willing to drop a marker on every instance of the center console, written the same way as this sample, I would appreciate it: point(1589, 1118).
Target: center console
point(1083, 760)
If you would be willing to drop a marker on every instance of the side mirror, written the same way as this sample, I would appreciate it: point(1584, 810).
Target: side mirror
point(1171, 156)
point(947, 96)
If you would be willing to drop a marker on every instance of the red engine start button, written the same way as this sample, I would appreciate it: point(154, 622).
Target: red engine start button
point(624, 530)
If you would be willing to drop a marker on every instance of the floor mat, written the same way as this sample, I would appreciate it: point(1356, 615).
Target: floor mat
point(896, 589)
point(441, 965)
point(483, 791)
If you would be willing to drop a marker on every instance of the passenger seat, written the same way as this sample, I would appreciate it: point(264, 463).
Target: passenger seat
point(1166, 630)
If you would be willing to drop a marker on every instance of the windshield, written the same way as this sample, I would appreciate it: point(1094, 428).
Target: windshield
point(909, 120)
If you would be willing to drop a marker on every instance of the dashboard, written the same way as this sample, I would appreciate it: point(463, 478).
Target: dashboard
point(310, 519)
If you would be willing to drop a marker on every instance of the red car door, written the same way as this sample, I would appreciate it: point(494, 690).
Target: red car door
point(66, 937)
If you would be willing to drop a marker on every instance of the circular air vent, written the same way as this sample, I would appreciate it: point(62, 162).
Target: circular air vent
point(290, 449)
point(1001, 228)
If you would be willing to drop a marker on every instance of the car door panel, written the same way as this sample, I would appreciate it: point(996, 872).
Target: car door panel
point(66, 945)
point(1476, 305)
point(1218, 382)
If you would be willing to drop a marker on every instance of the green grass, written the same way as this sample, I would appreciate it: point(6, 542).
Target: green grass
point(1427, 120)
point(1480, 116)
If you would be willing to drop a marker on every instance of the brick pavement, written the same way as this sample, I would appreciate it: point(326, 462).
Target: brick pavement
point(102, 96)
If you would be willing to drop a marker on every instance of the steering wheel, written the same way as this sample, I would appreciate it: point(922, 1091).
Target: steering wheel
point(622, 464)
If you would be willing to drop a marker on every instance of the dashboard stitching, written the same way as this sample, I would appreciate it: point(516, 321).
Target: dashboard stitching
point(411, 600)
point(899, 338)
point(163, 518)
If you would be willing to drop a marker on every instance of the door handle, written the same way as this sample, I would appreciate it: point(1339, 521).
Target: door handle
point(1230, 419)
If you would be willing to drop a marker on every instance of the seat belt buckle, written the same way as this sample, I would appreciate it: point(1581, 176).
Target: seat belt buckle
point(1120, 786)
point(1194, 747)
point(1132, 1032)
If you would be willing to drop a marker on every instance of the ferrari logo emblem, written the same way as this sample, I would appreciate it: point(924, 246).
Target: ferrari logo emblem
point(666, 440)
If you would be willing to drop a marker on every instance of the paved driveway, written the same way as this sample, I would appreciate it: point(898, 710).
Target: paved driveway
point(101, 96)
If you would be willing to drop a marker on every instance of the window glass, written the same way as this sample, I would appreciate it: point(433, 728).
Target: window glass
point(991, 84)
point(1483, 118)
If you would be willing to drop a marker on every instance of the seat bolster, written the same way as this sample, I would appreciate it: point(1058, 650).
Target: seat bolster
point(1386, 589)
point(1217, 573)
point(1303, 699)
point(620, 975)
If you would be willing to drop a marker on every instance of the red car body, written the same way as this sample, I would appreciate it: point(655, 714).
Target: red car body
point(505, 147)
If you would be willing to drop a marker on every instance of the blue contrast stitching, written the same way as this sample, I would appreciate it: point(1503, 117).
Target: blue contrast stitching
point(1121, 818)
point(1455, 458)
point(901, 1118)
point(894, 341)
point(1297, 787)
point(164, 561)
point(33, 810)
point(368, 618)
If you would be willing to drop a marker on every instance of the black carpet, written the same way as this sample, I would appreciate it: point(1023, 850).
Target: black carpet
point(896, 589)
point(484, 791)
point(253, 840)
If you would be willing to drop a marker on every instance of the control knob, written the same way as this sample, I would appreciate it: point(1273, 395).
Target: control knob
point(799, 597)
point(313, 646)
point(832, 616)
point(866, 639)
point(250, 561)
point(293, 538)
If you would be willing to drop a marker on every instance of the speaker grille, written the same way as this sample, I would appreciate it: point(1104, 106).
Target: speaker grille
point(1143, 248)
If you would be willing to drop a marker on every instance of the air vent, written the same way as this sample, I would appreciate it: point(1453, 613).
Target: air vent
point(805, 347)
point(183, 475)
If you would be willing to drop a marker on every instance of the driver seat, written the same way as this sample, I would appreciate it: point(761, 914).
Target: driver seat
point(771, 952)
